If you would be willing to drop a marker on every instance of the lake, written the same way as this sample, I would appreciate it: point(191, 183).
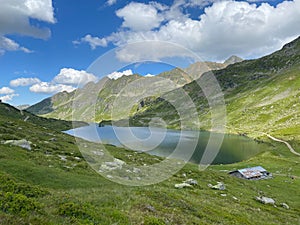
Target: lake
point(185, 145)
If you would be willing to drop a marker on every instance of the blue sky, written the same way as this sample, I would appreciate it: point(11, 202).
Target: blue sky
point(47, 46)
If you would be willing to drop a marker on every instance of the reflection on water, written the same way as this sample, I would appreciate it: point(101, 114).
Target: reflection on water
point(163, 142)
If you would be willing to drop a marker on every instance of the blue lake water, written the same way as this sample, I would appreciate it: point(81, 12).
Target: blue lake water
point(187, 145)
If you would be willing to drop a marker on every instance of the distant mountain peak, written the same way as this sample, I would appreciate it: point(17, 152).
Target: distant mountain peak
point(233, 59)
point(117, 75)
point(22, 107)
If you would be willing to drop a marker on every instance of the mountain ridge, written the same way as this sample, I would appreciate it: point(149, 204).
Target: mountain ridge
point(261, 96)
point(61, 105)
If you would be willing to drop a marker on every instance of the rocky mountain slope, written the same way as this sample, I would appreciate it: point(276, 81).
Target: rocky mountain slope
point(95, 101)
point(261, 95)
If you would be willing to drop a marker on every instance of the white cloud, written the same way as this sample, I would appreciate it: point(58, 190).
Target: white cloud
point(94, 42)
point(140, 17)
point(6, 91)
point(149, 75)
point(198, 3)
point(111, 2)
point(225, 28)
point(117, 75)
point(7, 44)
point(15, 16)
point(71, 76)
point(7, 98)
point(40, 9)
point(50, 88)
point(68, 80)
point(24, 82)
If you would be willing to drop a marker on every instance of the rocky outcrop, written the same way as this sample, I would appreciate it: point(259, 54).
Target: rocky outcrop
point(20, 143)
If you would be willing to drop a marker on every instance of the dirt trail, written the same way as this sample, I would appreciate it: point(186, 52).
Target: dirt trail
point(286, 143)
point(274, 139)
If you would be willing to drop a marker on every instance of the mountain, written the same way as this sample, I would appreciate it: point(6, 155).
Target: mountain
point(12, 113)
point(233, 59)
point(197, 69)
point(22, 107)
point(261, 95)
point(94, 102)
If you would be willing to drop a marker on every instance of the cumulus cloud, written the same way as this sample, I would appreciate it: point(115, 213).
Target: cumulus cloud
point(50, 88)
point(24, 82)
point(140, 17)
point(94, 42)
point(15, 16)
point(225, 28)
point(117, 75)
point(71, 76)
point(68, 80)
point(7, 98)
point(6, 91)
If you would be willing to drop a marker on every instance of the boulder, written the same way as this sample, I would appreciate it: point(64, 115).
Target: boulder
point(182, 185)
point(20, 143)
point(265, 200)
point(63, 158)
point(284, 205)
point(191, 182)
point(98, 153)
point(150, 208)
point(116, 164)
point(219, 186)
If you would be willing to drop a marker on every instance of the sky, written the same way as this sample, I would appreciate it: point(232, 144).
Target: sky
point(49, 46)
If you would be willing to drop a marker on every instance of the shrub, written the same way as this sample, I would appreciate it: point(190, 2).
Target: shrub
point(150, 220)
point(8, 184)
point(72, 209)
point(17, 203)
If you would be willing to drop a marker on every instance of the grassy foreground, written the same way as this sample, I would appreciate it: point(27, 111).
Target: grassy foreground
point(39, 187)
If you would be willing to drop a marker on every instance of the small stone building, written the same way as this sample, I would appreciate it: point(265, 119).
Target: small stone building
point(253, 173)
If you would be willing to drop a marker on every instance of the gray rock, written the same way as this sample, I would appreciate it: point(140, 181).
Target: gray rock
point(265, 200)
point(20, 143)
point(136, 170)
point(98, 153)
point(284, 205)
point(63, 158)
point(150, 208)
point(109, 166)
point(219, 186)
point(182, 185)
point(191, 182)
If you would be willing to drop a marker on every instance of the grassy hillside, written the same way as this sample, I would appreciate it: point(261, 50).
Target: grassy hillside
point(42, 187)
point(261, 96)
point(12, 113)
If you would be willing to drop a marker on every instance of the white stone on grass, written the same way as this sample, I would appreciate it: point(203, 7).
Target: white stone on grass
point(182, 185)
point(20, 143)
point(265, 200)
